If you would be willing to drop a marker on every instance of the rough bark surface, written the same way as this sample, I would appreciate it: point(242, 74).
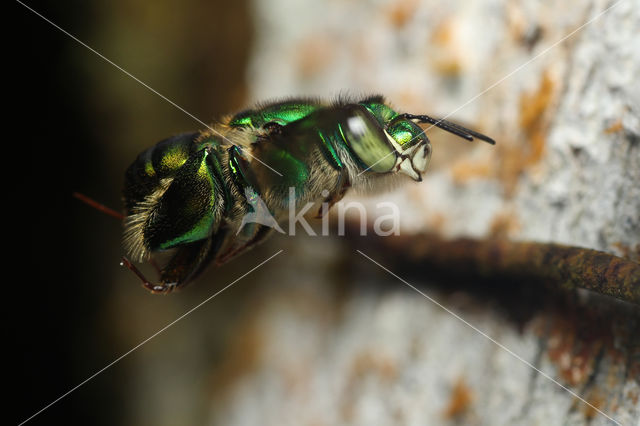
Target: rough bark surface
point(340, 341)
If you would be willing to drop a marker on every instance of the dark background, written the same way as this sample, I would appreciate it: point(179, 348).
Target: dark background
point(77, 122)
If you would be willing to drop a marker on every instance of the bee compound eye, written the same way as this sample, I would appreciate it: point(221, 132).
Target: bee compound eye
point(367, 140)
point(356, 126)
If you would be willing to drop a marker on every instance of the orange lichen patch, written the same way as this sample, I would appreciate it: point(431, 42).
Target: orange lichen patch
point(504, 225)
point(521, 27)
point(243, 352)
point(534, 124)
point(465, 170)
point(634, 368)
point(448, 149)
point(445, 53)
point(533, 120)
point(615, 127)
point(459, 401)
point(631, 253)
point(511, 165)
point(596, 401)
point(409, 100)
point(443, 35)
point(449, 66)
point(573, 350)
point(365, 364)
point(368, 363)
point(516, 20)
point(316, 55)
point(400, 12)
point(436, 221)
point(537, 143)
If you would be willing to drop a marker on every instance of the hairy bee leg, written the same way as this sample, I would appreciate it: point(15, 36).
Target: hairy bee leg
point(155, 266)
point(154, 288)
point(188, 262)
point(332, 200)
point(98, 206)
point(237, 247)
point(162, 288)
point(343, 185)
point(273, 128)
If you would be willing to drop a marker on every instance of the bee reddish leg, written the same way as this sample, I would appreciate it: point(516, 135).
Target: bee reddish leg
point(153, 288)
point(98, 206)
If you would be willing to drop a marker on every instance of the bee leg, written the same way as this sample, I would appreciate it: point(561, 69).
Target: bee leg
point(251, 235)
point(332, 198)
point(160, 288)
point(272, 128)
point(188, 261)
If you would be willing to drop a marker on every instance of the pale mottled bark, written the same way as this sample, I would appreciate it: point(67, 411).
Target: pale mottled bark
point(565, 170)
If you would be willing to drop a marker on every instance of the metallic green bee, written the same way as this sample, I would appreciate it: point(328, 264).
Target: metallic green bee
point(193, 192)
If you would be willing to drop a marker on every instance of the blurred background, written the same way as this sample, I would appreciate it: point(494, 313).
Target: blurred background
point(320, 335)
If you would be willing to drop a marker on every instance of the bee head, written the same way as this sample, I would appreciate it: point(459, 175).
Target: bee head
point(384, 140)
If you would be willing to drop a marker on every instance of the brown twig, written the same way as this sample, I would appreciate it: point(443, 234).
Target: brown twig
point(558, 265)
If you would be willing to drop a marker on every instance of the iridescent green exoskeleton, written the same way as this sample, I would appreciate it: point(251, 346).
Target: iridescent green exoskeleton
point(194, 192)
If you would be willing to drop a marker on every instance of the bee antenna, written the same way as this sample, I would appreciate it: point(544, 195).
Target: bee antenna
point(450, 127)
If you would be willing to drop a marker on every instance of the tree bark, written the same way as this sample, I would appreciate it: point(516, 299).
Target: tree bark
point(342, 341)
